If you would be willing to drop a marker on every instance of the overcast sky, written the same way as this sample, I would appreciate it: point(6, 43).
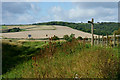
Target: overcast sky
point(32, 12)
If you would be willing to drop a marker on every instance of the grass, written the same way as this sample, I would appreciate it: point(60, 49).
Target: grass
point(60, 60)
point(4, 27)
point(16, 53)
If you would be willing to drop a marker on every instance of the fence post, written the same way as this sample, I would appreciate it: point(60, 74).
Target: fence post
point(95, 40)
point(102, 40)
point(114, 40)
point(107, 42)
point(92, 29)
point(117, 41)
point(98, 41)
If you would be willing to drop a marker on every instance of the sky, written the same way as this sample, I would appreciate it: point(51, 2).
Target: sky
point(35, 12)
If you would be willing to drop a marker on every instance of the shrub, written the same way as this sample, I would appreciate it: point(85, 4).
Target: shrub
point(55, 37)
point(14, 30)
point(66, 37)
point(69, 38)
point(72, 35)
point(86, 38)
point(80, 38)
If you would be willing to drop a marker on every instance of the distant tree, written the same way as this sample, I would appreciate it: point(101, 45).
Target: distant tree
point(117, 31)
point(66, 37)
point(79, 38)
point(55, 37)
point(72, 35)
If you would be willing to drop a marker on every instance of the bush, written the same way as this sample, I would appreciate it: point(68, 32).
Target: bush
point(72, 35)
point(55, 37)
point(66, 37)
point(69, 38)
point(86, 38)
point(14, 30)
point(79, 38)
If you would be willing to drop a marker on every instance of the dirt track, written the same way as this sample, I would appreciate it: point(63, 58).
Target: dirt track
point(60, 32)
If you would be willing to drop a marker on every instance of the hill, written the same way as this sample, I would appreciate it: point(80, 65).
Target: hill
point(59, 31)
point(99, 28)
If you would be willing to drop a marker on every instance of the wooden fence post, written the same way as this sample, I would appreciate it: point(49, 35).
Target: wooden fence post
point(114, 40)
point(117, 41)
point(95, 40)
point(92, 29)
point(102, 40)
point(98, 41)
point(107, 40)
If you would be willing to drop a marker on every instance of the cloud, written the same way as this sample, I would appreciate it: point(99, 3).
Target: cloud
point(87, 5)
point(19, 12)
point(60, 0)
point(79, 12)
point(56, 13)
point(15, 7)
point(25, 12)
point(56, 9)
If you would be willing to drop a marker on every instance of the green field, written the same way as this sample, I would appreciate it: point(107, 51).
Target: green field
point(58, 59)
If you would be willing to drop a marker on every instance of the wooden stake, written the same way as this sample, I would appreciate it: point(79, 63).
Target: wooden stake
point(98, 39)
point(92, 27)
point(107, 42)
point(102, 40)
point(114, 40)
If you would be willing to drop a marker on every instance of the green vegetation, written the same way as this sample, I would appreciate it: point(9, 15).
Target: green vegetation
point(58, 59)
point(80, 38)
point(99, 28)
point(55, 38)
point(117, 31)
point(14, 53)
point(66, 37)
point(4, 27)
point(69, 38)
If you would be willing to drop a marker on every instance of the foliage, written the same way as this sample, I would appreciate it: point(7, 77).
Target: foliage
point(117, 31)
point(64, 60)
point(55, 37)
point(66, 37)
point(69, 38)
point(12, 30)
point(80, 38)
point(13, 54)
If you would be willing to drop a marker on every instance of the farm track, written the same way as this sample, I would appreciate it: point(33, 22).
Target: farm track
point(60, 31)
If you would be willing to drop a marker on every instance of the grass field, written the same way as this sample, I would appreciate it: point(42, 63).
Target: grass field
point(58, 60)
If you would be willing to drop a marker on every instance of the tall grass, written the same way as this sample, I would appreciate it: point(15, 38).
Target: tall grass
point(65, 59)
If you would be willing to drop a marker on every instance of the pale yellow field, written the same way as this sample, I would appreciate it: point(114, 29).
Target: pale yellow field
point(59, 31)
point(32, 27)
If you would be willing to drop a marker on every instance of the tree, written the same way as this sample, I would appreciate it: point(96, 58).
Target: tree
point(80, 38)
point(117, 31)
point(66, 37)
point(55, 37)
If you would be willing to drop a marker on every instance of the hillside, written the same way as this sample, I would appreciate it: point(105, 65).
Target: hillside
point(58, 60)
point(99, 28)
point(59, 31)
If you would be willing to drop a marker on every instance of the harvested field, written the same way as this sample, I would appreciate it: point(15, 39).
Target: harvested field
point(31, 27)
point(59, 31)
